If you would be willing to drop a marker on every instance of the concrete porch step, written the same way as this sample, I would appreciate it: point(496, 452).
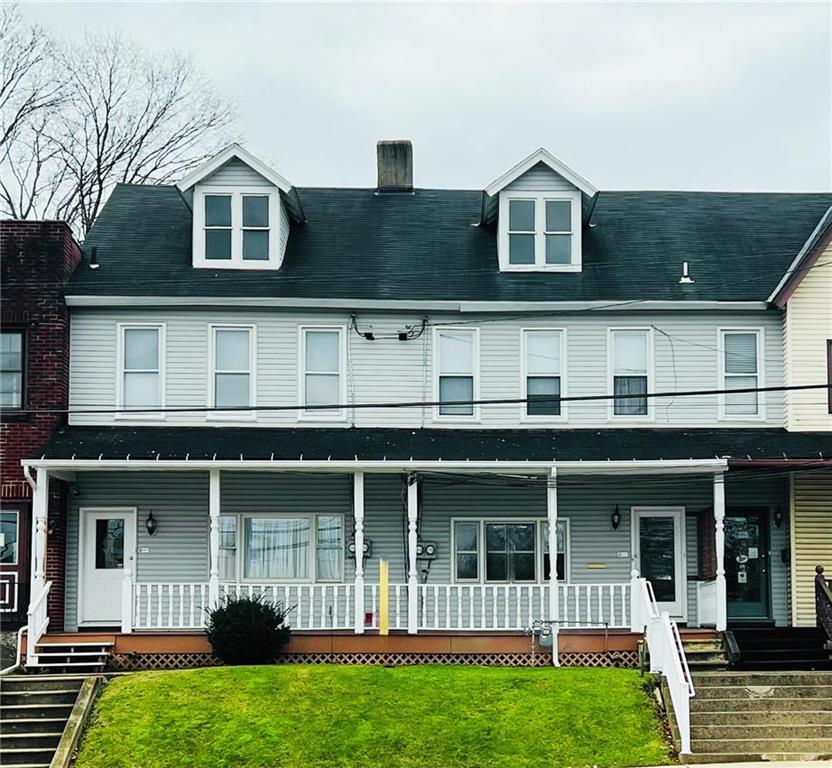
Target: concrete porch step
point(26, 757)
point(774, 719)
point(773, 704)
point(34, 711)
point(762, 678)
point(39, 698)
point(732, 731)
point(31, 724)
point(35, 741)
point(701, 758)
point(810, 746)
point(762, 691)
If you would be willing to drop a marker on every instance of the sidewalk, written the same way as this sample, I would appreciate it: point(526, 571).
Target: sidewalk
point(760, 764)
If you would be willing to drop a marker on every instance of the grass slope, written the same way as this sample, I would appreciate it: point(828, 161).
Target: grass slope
point(407, 717)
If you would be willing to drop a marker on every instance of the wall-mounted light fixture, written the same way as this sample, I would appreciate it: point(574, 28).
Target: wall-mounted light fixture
point(615, 518)
point(368, 548)
point(150, 524)
point(778, 517)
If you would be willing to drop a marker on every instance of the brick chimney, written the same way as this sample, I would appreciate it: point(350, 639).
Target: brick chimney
point(395, 166)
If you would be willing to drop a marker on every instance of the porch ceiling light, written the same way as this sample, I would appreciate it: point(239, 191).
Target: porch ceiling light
point(150, 524)
point(615, 518)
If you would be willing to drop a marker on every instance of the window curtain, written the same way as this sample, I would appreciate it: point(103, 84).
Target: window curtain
point(330, 548)
point(276, 548)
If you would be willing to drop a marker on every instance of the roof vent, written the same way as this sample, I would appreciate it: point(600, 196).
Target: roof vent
point(685, 279)
point(395, 166)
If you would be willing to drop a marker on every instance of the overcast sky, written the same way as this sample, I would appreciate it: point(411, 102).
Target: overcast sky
point(631, 96)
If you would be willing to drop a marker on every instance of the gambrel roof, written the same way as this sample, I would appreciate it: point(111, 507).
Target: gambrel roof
point(356, 244)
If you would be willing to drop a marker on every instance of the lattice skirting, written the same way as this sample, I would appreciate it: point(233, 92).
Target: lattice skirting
point(136, 661)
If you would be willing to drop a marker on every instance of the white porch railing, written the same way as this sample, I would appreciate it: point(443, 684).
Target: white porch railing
point(667, 656)
point(517, 606)
point(482, 607)
point(162, 605)
point(37, 622)
point(706, 603)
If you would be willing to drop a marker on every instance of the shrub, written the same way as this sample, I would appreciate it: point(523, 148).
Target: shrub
point(247, 630)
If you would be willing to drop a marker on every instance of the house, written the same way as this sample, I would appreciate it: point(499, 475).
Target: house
point(37, 260)
point(536, 401)
point(805, 296)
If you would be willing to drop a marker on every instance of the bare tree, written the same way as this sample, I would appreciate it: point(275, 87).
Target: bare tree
point(124, 115)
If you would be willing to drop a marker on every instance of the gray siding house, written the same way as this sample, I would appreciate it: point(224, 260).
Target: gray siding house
point(527, 400)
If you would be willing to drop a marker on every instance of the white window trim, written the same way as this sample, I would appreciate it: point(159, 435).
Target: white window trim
point(22, 334)
point(539, 523)
point(312, 565)
point(540, 199)
point(524, 375)
point(121, 328)
point(759, 331)
point(16, 513)
point(324, 414)
point(651, 376)
point(236, 261)
point(474, 417)
point(249, 415)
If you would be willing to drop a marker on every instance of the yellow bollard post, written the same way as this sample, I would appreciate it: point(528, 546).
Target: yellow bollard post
point(383, 598)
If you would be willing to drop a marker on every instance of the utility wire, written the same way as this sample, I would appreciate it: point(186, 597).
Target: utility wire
point(418, 403)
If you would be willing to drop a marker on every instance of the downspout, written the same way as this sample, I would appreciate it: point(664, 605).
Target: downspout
point(27, 473)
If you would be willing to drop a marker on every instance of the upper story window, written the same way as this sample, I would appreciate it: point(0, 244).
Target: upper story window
point(740, 354)
point(321, 373)
point(232, 383)
point(141, 370)
point(455, 372)
point(11, 369)
point(631, 362)
point(236, 228)
point(540, 232)
point(543, 372)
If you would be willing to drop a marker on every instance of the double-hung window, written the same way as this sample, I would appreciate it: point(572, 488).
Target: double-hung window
point(321, 376)
point(630, 368)
point(543, 368)
point(285, 547)
point(11, 369)
point(232, 383)
point(540, 231)
point(740, 365)
point(507, 551)
point(455, 368)
point(236, 228)
point(9, 534)
point(141, 374)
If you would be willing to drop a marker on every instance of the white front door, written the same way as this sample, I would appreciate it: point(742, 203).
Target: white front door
point(659, 555)
point(108, 540)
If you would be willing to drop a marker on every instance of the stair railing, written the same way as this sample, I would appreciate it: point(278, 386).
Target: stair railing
point(667, 657)
point(823, 601)
point(38, 621)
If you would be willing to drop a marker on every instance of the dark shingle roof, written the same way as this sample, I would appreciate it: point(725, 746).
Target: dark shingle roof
point(230, 443)
point(429, 246)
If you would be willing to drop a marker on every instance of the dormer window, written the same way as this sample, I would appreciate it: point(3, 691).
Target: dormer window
point(235, 228)
point(540, 232)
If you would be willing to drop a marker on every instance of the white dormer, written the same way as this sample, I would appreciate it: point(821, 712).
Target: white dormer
point(539, 207)
point(241, 210)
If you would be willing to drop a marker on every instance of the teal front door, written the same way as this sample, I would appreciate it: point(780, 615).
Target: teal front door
point(747, 564)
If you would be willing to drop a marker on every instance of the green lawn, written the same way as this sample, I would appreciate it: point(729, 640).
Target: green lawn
point(363, 717)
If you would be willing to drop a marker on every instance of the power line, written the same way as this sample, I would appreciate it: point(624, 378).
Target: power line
point(104, 409)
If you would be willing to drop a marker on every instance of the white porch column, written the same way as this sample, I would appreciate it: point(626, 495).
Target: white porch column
point(412, 576)
point(719, 520)
point(552, 517)
point(214, 537)
point(358, 514)
point(40, 513)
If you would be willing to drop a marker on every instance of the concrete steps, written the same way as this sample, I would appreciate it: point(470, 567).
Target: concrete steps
point(782, 648)
point(752, 716)
point(34, 710)
point(704, 652)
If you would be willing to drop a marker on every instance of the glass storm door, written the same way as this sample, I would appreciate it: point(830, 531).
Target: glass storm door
point(107, 541)
point(658, 554)
point(747, 564)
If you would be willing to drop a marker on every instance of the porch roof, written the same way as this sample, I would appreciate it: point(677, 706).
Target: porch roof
point(197, 445)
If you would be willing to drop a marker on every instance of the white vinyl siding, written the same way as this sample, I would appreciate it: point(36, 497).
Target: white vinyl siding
point(388, 370)
point(140, 384)
point(739, 359)
point(455, 375)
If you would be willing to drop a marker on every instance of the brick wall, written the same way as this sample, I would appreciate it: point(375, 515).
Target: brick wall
point(36, 260)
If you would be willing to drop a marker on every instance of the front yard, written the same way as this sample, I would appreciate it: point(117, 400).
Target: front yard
point(363, 717)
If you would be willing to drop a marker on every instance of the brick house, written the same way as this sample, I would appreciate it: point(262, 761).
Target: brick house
point(38, 257)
